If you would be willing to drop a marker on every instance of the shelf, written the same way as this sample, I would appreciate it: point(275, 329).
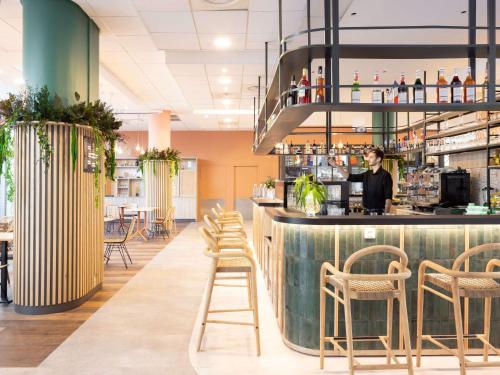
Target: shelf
point(457, 151)
point(493, 166)
point(462, 130)
point(412, 151)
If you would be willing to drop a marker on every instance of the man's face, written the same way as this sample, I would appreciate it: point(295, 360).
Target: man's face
point(373, 160)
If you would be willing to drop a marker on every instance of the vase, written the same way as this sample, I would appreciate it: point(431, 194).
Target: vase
point(312, 207)
point(271, 194)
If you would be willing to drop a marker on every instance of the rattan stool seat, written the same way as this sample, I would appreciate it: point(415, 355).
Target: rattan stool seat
point(233, 265)
point(360, 289)
point(468, 287)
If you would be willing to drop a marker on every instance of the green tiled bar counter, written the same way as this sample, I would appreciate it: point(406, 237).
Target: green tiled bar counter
point(302, 244)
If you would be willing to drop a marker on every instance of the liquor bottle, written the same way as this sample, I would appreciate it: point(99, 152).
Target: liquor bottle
point(377, 91)
point(304, 93)
point(307, 150)
point(388, 96)
point(456, 88)
point(355, 91)
point(484, 88)
point(442, 90)
point(418, 89)
point(469, 89)
point(398, 146)
point(395, 98)
point(402, 90)
point(314, 148)
point(320, 83)
point(292, 95)
point(286, 149)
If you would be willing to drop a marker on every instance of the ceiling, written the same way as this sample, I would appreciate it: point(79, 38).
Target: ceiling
point(162, 54)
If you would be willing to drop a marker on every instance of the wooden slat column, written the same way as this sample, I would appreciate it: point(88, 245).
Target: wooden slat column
point(59, 231)
point(158, 186)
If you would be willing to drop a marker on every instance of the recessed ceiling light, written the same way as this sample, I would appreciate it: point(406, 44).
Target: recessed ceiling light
point(224, 80)
point(222, 42)
point(226, 101)
point(226, 88)
point(228, 120)
point(206, 116)
point(224, 70)
point(223, 112)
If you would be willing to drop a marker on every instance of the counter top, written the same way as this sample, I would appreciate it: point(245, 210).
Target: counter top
point(265, 202)
point(289, 216)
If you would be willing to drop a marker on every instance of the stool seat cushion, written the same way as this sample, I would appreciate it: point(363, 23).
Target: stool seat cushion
point(468, 287)
point(233, 265)
point(366, 290)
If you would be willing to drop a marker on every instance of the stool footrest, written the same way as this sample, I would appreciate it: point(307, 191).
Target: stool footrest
point(229, 322)
point(356, 338)
point(228, 310)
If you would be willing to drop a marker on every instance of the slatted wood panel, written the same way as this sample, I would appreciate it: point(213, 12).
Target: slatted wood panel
point(58, 228)
point(158, 186)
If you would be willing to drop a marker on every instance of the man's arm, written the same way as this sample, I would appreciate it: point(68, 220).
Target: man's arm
point(341, 169)
point(388, 205)
point(388, 194)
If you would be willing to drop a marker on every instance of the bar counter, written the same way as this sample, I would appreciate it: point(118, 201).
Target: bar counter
point(291, 248)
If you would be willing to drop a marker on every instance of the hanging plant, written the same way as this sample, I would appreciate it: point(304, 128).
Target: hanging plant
point(169, 154)
point(36, 108)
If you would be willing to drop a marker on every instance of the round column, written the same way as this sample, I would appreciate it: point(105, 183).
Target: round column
point(59, 230)
point(158, 186)
point(60, 49)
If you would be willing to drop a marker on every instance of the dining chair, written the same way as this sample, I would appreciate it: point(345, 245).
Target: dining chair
point(112, 212)
point(120, 244)
point(159, 227)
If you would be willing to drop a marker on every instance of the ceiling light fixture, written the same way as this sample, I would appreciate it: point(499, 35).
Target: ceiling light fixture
point(228, 120)
point(224, 70)
point(226, 101)
point(224, 80)
point(222, 42)
point(226, 89)
point(223, 112)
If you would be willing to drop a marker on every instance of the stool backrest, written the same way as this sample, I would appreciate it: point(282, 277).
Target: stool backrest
point(212, 224)
point(209, 239)
point(457, 264)
point(374, 250)
point(221, 209)
point(216, 214)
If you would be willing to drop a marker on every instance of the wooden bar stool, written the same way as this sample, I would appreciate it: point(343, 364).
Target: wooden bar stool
point(266, 258)
point(367, 287)
point(460, 284)
point(220, 233)
point(230, 256)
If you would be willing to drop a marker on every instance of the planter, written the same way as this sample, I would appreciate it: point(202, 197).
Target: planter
point(59, 231)
point(271, 194)
point(158, 187)
point(311, 207)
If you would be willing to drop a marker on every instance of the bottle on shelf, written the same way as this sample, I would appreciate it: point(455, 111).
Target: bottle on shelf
point(418, 89)
point(388, 96)
point(402, 90)
point(377, 91)
point(304, 93)
point(469, 87)
point(484, 87)
point(355, 90)
point(286, 149)
point(394, 95)
point(320, 83)
point(457, 93)
point(314, 148)
point(307, 149)
point(292, 95)
point(442, 87)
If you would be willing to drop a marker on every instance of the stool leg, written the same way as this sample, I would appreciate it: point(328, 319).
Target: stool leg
point(348, 327)
point(322, 327)
point(458, 325)
point(255, 308)
point(390, 309)
point(249, 289)
point(406, 329)
point(420, 316)
point(486, 331)
point(206, 302)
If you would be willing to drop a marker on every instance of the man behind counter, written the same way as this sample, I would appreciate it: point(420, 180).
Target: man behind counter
point(377, 183)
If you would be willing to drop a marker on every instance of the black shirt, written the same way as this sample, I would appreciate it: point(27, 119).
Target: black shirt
point(377, 187)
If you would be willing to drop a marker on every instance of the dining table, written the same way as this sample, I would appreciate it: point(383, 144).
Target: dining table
point(5, 238)
point(141, 230)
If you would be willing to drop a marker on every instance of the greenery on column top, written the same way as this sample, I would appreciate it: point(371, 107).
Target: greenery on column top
point(169, 154)
point(38, 107)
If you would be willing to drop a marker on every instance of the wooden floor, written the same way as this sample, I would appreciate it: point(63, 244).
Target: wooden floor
point(25, 341)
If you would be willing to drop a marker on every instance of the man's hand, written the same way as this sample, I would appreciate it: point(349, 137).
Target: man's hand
point(343, 172)
point(332, 162)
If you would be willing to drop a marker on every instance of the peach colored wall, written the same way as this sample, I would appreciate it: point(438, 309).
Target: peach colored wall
point(219, 154)
point(130, 141)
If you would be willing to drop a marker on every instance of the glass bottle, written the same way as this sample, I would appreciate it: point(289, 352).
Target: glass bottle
point(320, 83)
point(418, 89)
point(304, 93)
point(456, 88)
point(469, 88)
point(355, 90)
point(292, 95)
point(484, 88)
point(395, 90)
point(377, 91)
point(442, 89)
point(402, 90)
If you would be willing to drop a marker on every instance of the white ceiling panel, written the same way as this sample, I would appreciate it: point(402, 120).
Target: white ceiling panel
point(237, 41)
point(125, 25)
point(11, 9)
point(197, 81)
point(172, 41)
point(169, 22)
point(272, 6)
point(224, 69)
point(162, 5)
point(226, 22)
point(147, 57)
point(109, 43)
point(267, 22)
point(111, 57)
point(187, 69)
point(16, 23)
point(137, 42)
point(123, 8)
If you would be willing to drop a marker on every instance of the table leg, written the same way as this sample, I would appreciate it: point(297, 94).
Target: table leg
point(3, 297)
point(140, 229)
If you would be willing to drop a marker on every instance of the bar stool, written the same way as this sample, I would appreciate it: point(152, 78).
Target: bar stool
point(367, 287)
point(219, 233)
point(460, 284)
point(230, 256)
point(266, 258)
point(226, 213)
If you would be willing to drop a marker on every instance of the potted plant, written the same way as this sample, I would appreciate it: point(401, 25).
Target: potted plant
point(169, 154)
point(270, 185)
point(309, 194)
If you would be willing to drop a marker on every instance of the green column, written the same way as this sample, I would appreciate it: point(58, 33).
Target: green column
point(379, 126)
point(60, 49)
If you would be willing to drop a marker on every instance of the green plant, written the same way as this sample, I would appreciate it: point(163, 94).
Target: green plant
point(169, 154)
point(305, 185)
point(37, 107)
point(270, 183)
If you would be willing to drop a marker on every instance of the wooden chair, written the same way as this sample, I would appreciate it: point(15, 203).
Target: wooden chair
point(219, 232)
point(226, 213)
point(367, 287)
point(170, 221)
point(120, 244)
point(460, 284)
point(159, 226)
point(230, 256)
point(112, 212)
point(228, 222)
